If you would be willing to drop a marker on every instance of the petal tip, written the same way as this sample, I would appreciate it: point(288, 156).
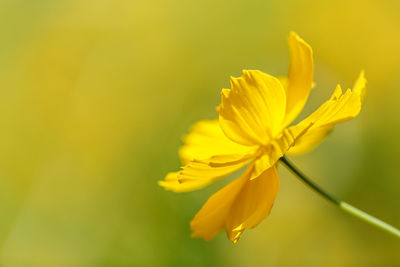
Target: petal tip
point(234, 235)
point(359, 85)
point(164, 184)
point(293, 34)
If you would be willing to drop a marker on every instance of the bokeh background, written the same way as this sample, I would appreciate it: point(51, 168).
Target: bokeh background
point(96, 95)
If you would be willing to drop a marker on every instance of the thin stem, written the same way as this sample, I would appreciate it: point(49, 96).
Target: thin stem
point(341, 204)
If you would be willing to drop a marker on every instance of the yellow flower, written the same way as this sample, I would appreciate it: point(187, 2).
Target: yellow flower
point(253, 128)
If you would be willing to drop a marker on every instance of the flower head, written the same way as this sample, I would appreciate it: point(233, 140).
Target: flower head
point(253, 129)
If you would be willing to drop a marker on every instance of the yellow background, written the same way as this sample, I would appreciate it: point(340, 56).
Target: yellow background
point(96, 95)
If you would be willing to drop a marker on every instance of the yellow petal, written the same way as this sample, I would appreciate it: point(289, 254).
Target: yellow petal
point(285, 83)
point(253, 203)
point(252, 112)
point(310, 140)
point(339, 108)
point(211, 218)
point(241, 204)
point(359, 85)
point(208, 155)
point(205, 140)
point(171, 183)
point(199, 171)
point(300, 76)
point(196, 175)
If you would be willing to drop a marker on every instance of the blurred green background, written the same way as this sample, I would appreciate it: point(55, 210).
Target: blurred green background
point(96, 95)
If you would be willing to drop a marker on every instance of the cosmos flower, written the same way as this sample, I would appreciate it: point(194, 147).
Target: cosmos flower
point(254, 129)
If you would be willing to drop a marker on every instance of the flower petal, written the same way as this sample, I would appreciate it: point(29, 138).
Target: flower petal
point(339, 108)
point(196, 174)
point(205, 140)
point(252, 112)
point(241, 205)
point(198, 171)
point(208, 155)
point(171, 183)
point(211, 218)
point(253, 203)
point(310, 140)
point(300, 76)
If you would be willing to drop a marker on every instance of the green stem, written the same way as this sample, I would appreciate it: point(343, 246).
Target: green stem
point(341, 204)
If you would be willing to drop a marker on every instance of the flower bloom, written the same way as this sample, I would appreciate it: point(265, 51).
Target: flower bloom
point(253, 129)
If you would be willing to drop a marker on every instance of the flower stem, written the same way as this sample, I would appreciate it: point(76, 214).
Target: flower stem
point(341, 204)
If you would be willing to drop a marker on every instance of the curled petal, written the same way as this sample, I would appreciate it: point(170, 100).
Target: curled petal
point(253, 203)
point(300, 76)
point(211, 218)
point(240, 205)
point(339, 108)
point(252, 112)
